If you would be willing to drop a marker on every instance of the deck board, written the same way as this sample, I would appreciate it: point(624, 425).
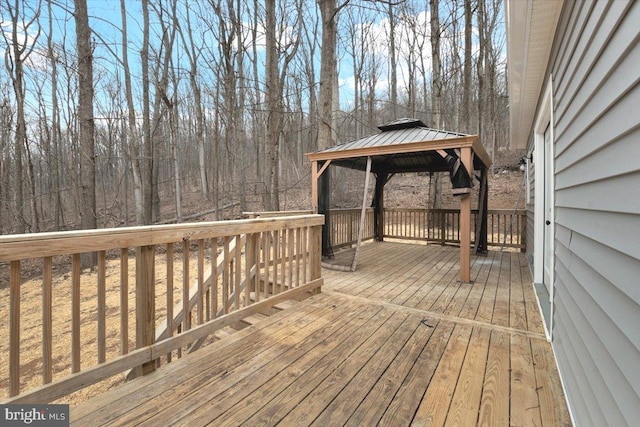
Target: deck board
point(399, 341)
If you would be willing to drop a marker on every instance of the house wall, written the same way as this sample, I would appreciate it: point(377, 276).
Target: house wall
point(595, 66)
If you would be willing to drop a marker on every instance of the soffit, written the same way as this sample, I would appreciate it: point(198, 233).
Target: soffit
point(531, 27)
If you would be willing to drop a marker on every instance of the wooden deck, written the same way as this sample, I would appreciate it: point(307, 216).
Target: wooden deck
point(398, 342)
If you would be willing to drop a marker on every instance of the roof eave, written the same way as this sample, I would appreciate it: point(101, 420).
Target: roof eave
point(531, 26)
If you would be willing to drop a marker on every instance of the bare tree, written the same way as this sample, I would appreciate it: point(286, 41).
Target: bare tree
point(85, 115)
point(131, 148)
point(54, 132)
point(466, 92)
point(393, 63)
point(194, 54)
point(436, 89)
point(21, 45)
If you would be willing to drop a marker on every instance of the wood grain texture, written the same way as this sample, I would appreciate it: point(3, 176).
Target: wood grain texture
point(494, 407)
point(525, 406)
point(339, 358)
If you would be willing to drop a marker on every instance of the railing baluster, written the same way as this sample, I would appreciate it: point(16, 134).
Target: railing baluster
point(47, 321)
point(207, 294)
point(238, 273)
point(267, 261)
point(169, 295)
point(248, 263)
point(201, 295)
point(298, 254)
point(14, 329)
point(305, 253)
point(256, 261)
point(124, 300)
point(291, 239)
point(276, 260)
point(214, 278)
point(185, 286)
point(102, 300)
point(75, 313)
point(225, 277)
point(283, 260)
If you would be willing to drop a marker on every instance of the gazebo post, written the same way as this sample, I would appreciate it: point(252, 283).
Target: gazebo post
point(481, 223)
point(320, 200)
point(378, 205)
point(314, 187)
point(465, 221)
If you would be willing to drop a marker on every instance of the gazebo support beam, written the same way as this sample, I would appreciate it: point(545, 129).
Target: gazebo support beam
point(483, 205)
point(321, 200)
point(465, 222)
point(378, 205)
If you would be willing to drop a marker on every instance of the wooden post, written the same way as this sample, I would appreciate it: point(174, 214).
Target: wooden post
point(323, 207)
point(481, 222)
point(145, 302)
point(378, 206)
point(314, 187)
point(252, 261)
point(315, 175)
point(315, 253)
point(465, 222)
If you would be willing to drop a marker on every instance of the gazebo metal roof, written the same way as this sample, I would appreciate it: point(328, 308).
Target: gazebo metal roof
point(406, 145)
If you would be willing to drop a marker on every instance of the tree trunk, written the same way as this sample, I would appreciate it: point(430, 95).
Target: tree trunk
point(393, 84)
point(436, 90)
point(466, 105)
point(274, 109)
point(17, 53)
point(131, 149)
point(147, 141)
point(86, 126)
point(193, 55)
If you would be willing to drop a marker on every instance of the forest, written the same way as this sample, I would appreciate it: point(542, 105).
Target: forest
point(117, 112)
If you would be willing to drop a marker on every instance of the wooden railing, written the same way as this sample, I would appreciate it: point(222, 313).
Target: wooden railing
point(345, 224)
point(68, 326)
point(504, 227)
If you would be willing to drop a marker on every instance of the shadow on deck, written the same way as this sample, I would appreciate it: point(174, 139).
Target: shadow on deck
point(399, 341)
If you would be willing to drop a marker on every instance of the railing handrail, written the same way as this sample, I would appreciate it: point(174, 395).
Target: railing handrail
point(453, 210)
point(39, 245)
point(271, 214)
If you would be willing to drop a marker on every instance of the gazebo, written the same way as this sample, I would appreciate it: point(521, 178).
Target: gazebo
point(408, 145)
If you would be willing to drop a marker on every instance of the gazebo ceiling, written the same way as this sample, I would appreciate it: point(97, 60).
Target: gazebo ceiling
point(406, 145)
